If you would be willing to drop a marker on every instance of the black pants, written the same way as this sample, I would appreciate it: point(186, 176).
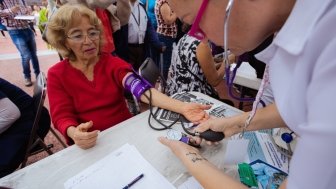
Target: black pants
point(13, 142)
point(136, 55)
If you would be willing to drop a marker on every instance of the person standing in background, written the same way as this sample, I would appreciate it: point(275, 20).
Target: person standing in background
point(167, 31)
point(36, 14)
point(150, 8)
point(2, 29)
point(22, 36)
point(137, 36)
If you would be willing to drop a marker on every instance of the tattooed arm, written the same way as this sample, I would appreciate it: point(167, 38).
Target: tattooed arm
point(206, 173)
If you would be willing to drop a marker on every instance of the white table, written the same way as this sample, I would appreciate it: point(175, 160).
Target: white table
point(54, 170)
point(246, 76)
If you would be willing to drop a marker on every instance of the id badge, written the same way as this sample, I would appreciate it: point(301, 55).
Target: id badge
point(141, 37)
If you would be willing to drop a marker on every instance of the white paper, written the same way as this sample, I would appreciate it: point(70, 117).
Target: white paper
point(118, 169)
point(191, 183)
point(261, 147)
point(236, 151)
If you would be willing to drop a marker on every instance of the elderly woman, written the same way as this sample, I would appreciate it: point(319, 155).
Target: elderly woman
point(86, 89)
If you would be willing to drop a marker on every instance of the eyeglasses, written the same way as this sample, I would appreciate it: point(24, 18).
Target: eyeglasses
point(195, 30)
point(79, 37)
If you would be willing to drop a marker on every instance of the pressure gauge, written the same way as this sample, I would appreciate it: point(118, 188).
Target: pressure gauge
point(177, 135)
point(174, 135)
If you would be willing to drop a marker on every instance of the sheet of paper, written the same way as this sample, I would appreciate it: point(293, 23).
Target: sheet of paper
point(261, 147)
point(118, 169)
point(190, 183)
point(236, 151)
point(24, 17)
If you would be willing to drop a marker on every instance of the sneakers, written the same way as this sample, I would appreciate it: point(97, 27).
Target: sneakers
point(28, 82)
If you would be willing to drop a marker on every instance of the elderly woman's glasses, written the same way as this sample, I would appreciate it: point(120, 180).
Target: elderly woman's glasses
point(79, 37)
point(195, 30)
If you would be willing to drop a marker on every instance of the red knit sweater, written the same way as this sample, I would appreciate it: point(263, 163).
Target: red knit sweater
point(74, 99)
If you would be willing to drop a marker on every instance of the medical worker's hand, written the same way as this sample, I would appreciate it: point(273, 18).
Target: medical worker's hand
point(81, 137)
point(228, 125)
point(195, 112)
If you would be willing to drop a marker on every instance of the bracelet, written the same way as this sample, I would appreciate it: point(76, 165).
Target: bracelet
point(246, 124)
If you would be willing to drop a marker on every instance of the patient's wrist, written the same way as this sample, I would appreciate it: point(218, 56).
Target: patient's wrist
point(71, 131)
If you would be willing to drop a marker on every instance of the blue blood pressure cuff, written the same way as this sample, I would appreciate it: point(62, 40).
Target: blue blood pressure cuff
point(137, 85)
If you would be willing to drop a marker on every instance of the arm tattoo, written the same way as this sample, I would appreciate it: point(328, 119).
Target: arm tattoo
point(194, 157)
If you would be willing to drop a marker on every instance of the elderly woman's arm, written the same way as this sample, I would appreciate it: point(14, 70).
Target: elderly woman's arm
point(137, 86)
point(192, 111)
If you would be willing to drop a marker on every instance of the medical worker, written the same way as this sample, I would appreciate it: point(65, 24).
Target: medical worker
point(302, 75)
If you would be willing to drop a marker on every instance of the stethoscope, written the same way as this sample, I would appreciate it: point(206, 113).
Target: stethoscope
point(207, 135)
point(286, 137)
point(230, 76)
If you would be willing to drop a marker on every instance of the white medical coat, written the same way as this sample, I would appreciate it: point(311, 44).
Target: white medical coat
point(302, 62)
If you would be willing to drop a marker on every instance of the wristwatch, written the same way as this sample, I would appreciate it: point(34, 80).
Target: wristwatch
point(177, 135)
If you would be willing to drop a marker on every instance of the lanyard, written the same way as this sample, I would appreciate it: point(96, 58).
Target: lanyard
point(263, 85)
point(138, 23)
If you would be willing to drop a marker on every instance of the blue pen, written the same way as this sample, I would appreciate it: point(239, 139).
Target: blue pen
point(133, 181)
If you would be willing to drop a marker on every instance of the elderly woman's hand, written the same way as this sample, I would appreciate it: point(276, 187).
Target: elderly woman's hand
point(82, 137)
point(195, 112)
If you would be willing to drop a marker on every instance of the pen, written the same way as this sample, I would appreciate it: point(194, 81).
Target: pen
point(133, 181)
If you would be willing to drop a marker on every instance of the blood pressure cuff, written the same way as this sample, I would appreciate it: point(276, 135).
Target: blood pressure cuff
point(137, 85)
